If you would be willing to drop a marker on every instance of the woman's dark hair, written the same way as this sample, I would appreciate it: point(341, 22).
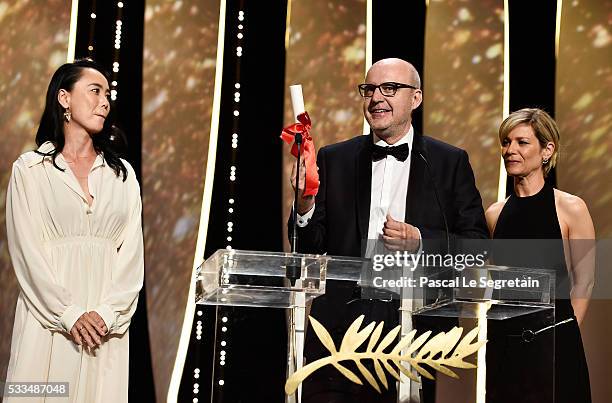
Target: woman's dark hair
point(110, 141)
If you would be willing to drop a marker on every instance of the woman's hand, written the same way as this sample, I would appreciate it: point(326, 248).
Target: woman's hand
point(88, 328)
point(100, 323)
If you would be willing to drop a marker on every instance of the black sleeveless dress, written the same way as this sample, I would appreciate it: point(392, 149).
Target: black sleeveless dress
point(534, 220)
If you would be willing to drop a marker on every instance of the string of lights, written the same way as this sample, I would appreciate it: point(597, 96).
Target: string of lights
point(91, 47)
point(235, 125)
point(118, 26)
point(223, 324)
point(92, 30)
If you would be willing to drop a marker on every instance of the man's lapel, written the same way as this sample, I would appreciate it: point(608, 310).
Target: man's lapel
point(417, 178)
point(363, 169)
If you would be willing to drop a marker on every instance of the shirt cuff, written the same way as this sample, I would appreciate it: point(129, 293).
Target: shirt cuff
point(70, 316)
point(302, 220)
point(107, 315)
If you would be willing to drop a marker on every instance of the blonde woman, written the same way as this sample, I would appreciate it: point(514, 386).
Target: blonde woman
point(562, 231)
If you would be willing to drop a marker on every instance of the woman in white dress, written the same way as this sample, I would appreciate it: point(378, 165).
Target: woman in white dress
point(73, 217)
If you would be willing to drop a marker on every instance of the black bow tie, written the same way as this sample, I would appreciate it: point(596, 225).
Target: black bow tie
point(400, 152)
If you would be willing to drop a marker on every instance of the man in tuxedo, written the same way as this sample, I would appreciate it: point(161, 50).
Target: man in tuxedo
point(405, 189)
point(366, 192)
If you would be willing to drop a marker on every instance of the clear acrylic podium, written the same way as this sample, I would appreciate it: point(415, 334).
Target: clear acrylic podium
point(515, 312)
point(258, 279)
point(510, 316)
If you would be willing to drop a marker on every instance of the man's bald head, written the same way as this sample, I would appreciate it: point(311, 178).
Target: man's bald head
point(389, 116)
point(398, 67)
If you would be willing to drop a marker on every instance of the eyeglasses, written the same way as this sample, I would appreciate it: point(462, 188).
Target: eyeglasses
point(387, 89)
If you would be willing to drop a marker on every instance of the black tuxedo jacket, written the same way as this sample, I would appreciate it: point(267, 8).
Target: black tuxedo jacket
point(339, 225)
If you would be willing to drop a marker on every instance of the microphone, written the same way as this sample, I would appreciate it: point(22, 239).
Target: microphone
point(437, 200)
point(293, 271)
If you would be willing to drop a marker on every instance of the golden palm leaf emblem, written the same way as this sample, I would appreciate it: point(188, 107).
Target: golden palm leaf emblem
point(435, 352)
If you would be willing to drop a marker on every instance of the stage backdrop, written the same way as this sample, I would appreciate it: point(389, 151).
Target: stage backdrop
point(584, 107)
point(326, 52)
point(178, 80)
point(464, 83)
point(584, 114)
point(34, 44)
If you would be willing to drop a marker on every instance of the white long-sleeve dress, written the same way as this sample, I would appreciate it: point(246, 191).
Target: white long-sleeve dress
point(71, 258)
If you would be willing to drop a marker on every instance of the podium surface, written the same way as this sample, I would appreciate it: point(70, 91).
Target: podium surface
point(512, 314)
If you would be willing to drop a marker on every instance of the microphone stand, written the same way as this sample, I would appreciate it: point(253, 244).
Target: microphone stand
point(294, 270)
point(296, 314)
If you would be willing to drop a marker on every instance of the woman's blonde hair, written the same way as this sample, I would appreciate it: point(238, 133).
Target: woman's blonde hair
point(543, 126)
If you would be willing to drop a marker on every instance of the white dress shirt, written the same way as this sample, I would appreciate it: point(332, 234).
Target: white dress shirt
point(389, 189)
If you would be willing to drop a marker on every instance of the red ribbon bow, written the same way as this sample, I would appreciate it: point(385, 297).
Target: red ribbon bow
point(308, 151)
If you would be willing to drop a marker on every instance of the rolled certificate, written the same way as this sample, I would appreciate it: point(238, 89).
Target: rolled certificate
point(297, 99)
